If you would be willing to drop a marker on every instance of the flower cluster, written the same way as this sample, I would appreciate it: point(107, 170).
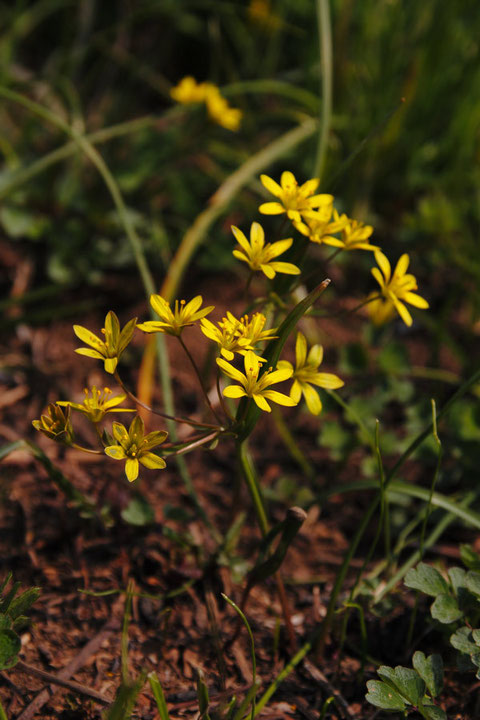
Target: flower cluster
point(188, 91)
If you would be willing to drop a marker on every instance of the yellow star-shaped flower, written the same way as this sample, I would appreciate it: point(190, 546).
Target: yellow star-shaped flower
point(253, 386)
point(98, 405)
point(171, 321)
point(260, 256)
point(396, 290)
point(135, 447)
point(305, 374)
point(111, 349)
point(293, 199)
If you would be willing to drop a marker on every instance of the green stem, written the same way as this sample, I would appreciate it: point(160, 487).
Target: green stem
point(326, 67)
point(253, 485)
point(199, 377)
point(291, 444)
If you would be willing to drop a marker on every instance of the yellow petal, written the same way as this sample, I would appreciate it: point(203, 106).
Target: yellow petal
point(285, 268)
point(257, 237)
point(416, 300)
point(279, 398)
point(300, 350)
point(89, 337)
point(271, 208)
point(131, 469)
point(312, 399)
point(234, 391)
point(271, 185)
point(268, 271)
point(152, 461)
point(262, 403)
point(402, 266)
point(116, 452)
point(384, 265)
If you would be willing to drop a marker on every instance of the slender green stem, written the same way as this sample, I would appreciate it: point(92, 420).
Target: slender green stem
point(199, 377)
point(253, 485)
point(3, 714)
point(326, 67)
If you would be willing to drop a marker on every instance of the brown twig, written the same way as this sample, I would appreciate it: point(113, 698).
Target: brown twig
point(56, 680)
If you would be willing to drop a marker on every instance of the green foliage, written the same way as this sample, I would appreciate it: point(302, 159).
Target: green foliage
point(406, 689)
point(13, 618)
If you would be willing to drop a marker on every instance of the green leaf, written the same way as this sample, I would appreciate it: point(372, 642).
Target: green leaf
point(202, 696)
point(462, 640)
point(433, 712)
point(405, 681)
point(5, 621)
point(138, 512)
point(23, 602)
point(159, 695)
point(473, 582)
point(457, 578)
point(9, 648)
point(426, 579)
point(383, 696)
point(445, 609)
point(125, 699)
point(470, 558)
point(430, 670)
point(394, 358)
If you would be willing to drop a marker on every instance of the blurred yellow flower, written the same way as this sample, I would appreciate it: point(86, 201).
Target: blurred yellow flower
point(293, 199)
point(253, 329)
point(396, 290)
point(354, 235)
point(189, 91)
point(56, 425)
point(134, 447)
point(228, 334)
point(305, 374)
point(98, 405)
point(260, 256)
point(111, 349)
point(173, 322)
point(251, 385)
point(318, 226)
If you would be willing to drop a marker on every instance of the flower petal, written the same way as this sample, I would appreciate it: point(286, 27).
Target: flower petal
point(257, 237)
point(271, 185)
point(262, 403)
point(89, 338)
point(234, 391)
point(300, 350)
point(415, 300)
point(279, 398)
point(152, 461)
point(285, 268)
point(271, 208)
point(312, 399)
point(131, 469)
point(231, 371)
point(116, 452)
point(384, 265)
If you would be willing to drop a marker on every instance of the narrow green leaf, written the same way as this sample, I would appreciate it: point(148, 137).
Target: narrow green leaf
point(9, 448)
point(125, 699)
point(202, 696)
point(430, 670)
point(445, 609)
point(159, 695)
point(290, 526)
point(470, 558)
point(5, 622)
point(22, 604)
point(426, 579)
point(383, 696)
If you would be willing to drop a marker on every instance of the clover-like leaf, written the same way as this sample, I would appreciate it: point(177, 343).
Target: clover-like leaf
point(430, 670)
point(405, 681)
point(445, 609)
point(473, 582)
point(463, 641)
point(470, 558)
point(426, 579)
point(383, 696)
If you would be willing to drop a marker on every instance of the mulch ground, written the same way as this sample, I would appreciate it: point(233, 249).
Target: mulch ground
point(76, 635)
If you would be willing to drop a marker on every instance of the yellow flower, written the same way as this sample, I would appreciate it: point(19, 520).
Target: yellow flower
point(293, 199)
point(189, 91)
point(228, 335)
point(251, 385)
point(115, 342)
point(219, 109)
point(318, 226)
point(134, 447)
point(97, 406)
point(173, 322)
point(56, 425)
point(253, 329)
point(306, 374)
point(354, 236)
point(396, 290)
point(260, 256)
